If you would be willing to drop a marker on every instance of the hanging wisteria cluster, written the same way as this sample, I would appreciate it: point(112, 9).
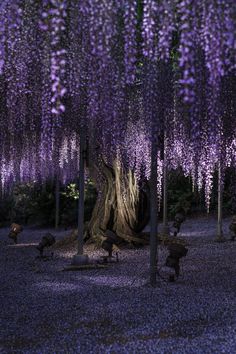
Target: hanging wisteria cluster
point(123, 73)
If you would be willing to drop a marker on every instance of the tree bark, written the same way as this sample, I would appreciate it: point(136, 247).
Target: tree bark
point(120, 207)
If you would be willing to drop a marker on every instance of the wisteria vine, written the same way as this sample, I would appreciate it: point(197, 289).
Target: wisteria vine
point(69, 68)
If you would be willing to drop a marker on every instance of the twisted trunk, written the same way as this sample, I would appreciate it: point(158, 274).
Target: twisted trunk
point(120, 207)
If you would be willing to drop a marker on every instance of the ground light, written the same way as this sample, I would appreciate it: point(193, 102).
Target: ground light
point(16, 229)
point(176, 251)
point(47, 241)
point(179, 219)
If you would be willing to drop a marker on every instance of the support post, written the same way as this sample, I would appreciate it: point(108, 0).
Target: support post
point(80, 258)
point(220, 236)
point(165, 229)
point(153, 215)
point(57, 197)
point(81, 195)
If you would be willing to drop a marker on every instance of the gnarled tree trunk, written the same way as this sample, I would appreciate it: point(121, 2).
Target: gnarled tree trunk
point(120, 207)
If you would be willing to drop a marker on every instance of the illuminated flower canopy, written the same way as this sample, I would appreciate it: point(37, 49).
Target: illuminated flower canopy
point(123, 73)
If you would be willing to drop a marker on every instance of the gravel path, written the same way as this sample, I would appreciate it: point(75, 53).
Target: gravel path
point(113, 310)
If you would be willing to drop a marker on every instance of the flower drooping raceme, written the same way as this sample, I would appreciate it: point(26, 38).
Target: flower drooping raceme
point(207, 164)
point(53, 20)
point(102, 26)
point(231, 153)
point(105, 78)
point(68, 157)
point(157, 91)
point(130, 37)
point(29, 169)
point(227, 18)
point(149, 29)
point(158, 27)
point(138, 147)
point(200, 178)
point(159, 179)
point(209, 167)
point(215, 38)
point(3, 174)
point(82, 57)
point(151, 99)
point(227, 106)
point(2, 33)
point(46, 129)
point(213, 30)
point(197, 110)
point(214, 122)
point(63, 159)
point(58, 55)
point(13, 64)
point(74, 144)
point(14, 95)
point(179, 148)
point(166, 18)
point(186, 12)
point(77, 53)
point(24, 170)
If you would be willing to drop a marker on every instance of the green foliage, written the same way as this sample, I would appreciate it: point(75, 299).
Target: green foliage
point(181, 195)
point(43, 210)
point(69, 203)
point(5, 210)
point(229, 194)
point(22, 202)
point(71, 191)
point(33, 204)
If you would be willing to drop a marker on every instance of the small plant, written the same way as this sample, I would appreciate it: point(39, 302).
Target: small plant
point(71, 191)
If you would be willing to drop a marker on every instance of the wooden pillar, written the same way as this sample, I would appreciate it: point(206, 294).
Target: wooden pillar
point(81, 193)
point(153, 215)
point(165, 230)
point(80, 258)
point(220, 236)
point(57, 197)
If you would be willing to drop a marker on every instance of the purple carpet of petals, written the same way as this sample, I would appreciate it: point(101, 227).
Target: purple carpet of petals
point(114, 310)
